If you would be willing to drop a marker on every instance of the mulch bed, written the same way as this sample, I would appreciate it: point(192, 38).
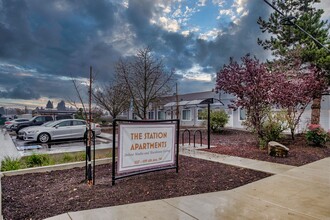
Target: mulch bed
point(42, 195)
point(244, 144)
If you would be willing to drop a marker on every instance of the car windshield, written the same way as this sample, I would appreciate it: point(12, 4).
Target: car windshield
point(50, 124)
point(33, 118)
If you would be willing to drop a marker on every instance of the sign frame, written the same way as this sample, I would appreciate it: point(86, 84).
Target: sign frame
point(171, 160)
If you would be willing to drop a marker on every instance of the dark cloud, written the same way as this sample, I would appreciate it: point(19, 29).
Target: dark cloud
point(42, 34)
point(238, 40)
point(188, 86)
point(20, 91)
point(62, 38)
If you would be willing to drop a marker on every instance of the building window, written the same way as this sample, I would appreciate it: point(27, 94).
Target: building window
point(186, 114)
point(161, 115)
point(151, 115)
point(200, 115)
point(242, 114)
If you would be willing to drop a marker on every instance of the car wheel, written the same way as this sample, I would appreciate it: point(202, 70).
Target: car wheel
point(44, 137)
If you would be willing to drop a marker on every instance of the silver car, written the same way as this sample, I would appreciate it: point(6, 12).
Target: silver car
point(55, 130)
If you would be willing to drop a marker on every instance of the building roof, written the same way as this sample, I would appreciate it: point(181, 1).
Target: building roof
point(54, 111)
point(197, 102)
point(183, 103)
point(196, 98)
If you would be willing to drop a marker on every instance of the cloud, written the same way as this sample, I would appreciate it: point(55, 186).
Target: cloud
point(48, 42)
point(235, 41)
point(21, 91)
point(210, 35)
point(326, 7)
point(169, 24)
point(201, 3)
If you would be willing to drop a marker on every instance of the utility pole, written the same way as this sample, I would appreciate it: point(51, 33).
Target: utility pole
point(177, 101)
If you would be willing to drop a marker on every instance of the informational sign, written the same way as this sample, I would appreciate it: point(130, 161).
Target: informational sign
point(144, 146)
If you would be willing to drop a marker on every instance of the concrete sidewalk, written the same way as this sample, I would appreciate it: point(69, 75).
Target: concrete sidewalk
point(263, 166)
point(7, 147)
point(299, 193)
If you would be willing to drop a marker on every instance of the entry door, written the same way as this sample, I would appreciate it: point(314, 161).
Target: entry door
point(231, 118)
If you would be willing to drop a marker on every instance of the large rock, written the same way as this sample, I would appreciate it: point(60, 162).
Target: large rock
point(276, 149)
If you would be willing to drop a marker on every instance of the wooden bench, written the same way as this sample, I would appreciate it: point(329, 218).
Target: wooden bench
point(276, 149)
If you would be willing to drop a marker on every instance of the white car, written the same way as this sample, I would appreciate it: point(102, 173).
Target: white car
point(9, 124)
point(55, 130)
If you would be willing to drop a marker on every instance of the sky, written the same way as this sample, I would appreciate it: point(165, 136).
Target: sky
point(46, 43)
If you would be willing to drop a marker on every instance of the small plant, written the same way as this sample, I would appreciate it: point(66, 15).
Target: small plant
point(317, 135)
point(218, 119)
point(10, 164)
point(272, 128)
point(67, 158)
point(80, 156)
point(36, 160)
point(108, 155)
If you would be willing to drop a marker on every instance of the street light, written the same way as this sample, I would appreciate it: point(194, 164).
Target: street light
point(209, 102)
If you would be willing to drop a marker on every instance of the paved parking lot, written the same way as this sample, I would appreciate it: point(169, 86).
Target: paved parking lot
point(25, 148)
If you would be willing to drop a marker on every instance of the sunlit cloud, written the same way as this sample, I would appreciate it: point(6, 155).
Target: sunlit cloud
point(23, 74)
point(201, 3)
point(196, 73)
point(210, 35)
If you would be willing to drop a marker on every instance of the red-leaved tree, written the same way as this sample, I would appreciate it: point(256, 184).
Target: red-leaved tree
point(258, 87)
point(251, 83)
point(296, 85)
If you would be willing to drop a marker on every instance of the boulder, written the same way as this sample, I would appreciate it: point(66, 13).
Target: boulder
point(276, 149)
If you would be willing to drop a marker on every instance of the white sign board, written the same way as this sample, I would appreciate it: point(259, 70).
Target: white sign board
point(144, 146)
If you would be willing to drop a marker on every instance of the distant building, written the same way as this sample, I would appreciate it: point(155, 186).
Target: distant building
point(2, 111)
point(187, 108)
point(61, 106)
point(49, 105)
point(60, 111)
point(54, 112)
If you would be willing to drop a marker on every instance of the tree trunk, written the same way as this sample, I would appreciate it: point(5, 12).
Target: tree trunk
point(316, 110)
point(292, 133)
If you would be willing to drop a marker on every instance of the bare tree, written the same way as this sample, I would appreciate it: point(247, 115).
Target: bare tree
point(79, 94)
point(146, 80)
point(113, 97)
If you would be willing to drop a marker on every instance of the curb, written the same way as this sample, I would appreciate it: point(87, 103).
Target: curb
point(43, 169)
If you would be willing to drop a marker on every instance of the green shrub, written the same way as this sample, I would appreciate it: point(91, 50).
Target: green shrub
point(218, 119)
point(36, 160)
point(109, 154)
point(66, 158)
point(72, 157)
point(272, 128)
point(316, 135)
point(8, 164)
point(81, 156)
